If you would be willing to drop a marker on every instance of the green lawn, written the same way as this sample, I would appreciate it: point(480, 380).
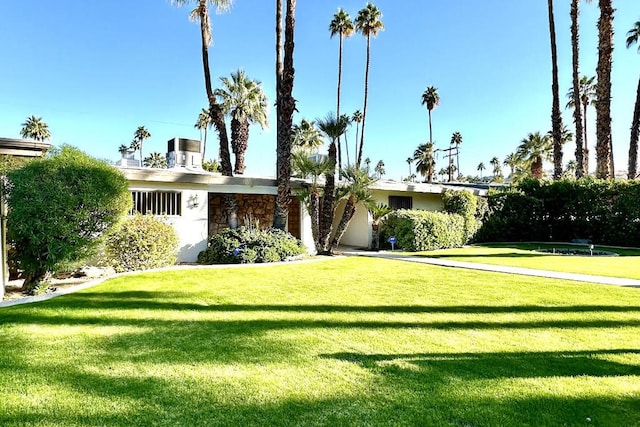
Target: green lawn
point(352, 341)
point(626, 265)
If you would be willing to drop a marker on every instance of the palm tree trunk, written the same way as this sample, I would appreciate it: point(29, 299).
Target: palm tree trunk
point(556, 118)
point(204, 144)
point(366, 94)
point(338, 106)
point(585, 152)
point(577, 111)
point(349, 211)
point(314, 208)
point(239, 142)
point(536, 168)
point(430, 130)
point(326, 218)
point(355, 147)
point(603, 90)
point(633, 143)
point(286, 107)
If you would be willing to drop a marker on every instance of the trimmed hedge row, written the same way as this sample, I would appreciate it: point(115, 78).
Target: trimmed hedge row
point(424, 230)
point(249, 245)
point(605, 212)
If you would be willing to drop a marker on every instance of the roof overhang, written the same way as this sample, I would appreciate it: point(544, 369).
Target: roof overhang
point(23, 147)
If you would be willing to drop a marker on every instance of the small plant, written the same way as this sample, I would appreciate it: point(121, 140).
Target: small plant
point(140, 243)
point(246, 245)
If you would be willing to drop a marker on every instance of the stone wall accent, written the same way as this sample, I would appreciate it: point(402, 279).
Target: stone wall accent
point(257, 209)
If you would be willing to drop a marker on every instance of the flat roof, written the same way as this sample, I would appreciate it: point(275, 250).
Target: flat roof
point(23, 147)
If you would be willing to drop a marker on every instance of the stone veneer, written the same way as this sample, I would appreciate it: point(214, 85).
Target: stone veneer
point(255, 208)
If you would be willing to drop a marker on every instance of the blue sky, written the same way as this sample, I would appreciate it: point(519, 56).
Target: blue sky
point(96, 70)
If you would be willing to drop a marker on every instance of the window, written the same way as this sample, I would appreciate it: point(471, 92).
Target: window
point(157, 202)
point(401, 202)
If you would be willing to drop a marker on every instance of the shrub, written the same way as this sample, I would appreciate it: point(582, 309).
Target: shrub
point(59, 207)
point(140, 243)
point(465, 204)
point(246, 245)
point(423, 230)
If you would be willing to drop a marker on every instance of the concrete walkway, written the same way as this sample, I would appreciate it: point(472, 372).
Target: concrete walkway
point(617, 281)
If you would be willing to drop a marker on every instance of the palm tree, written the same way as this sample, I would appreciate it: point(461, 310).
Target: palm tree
point(426, 164)
point(570, 169)
point(587, 89)
point(368, 23)
point(442, 172)
point(310, 168)
point(497, 170)
point(342, 26)
point(632, 38)
point(244, 100)
point(603, 90)
point(379, 169)
point(123, 150)
point(139, 136)
point(356, 190)
point(357, 118)
point(556, 118)
point(156, 160)
point(203, 124)
point(305, 137)
point(377, 212)
point(285, 106)
point(431, 99)
point(480, 168)
point(333, 128)
point(511, 161)
point(581, 168)
point(201, 14)
point(456, 140)
point(409, 162)
point(35, 128)
point(533, 150)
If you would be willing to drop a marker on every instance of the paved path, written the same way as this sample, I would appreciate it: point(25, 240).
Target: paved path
point(618, 281)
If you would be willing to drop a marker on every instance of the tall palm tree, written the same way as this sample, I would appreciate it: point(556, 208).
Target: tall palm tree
point(456, 140)
point(156, 160)
point(587, 97)
point(431, 99)
point(305, 137)
point(203, 124)
point(342, 26)
point(512, 160)
point(603, 90)
point(556, 118)
point(368, 23)
point(201, 15)
point(139, 136)
point(632, 38)
point(35, 128)
point(425, 162)
point(409, 162)
point(123, 150)
point(357, 118)
point(285, 106)
point(333, 128)
point(379, 169)
point(244, 100)
point(480, 168)
point(581, 168)
point(497, 170)
point(533, 150)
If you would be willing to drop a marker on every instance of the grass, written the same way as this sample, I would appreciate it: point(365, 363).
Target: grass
point(341, 342)
point(626, 265)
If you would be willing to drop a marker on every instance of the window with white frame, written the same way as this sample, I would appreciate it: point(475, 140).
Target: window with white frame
point(157, 202)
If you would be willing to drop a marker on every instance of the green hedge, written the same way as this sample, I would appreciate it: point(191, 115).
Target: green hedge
point(141, 242)
point(465, 204)
point(416, 230)
point(605, 212)
point(249, 245)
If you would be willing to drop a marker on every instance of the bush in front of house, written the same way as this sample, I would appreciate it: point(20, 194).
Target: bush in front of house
point(417, 230)
point(141, 242)
point(245, 245)
point(465, 204)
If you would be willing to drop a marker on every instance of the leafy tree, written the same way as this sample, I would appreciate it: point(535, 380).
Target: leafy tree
point(342, 26)
point(285, 106)
point(587, 98)
point(60, 206)
point(211, 165)
point(425, 162)
point(632, 38)
point(203, 124)
point(244, 100)
point(156, 160)
point(201, 15)
point(556, 118)
point(603, 90)
point(138, 139)
point(368, 24)
point(533, 150)
point(305, 137)
point(431, 99)
point(35, 128)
